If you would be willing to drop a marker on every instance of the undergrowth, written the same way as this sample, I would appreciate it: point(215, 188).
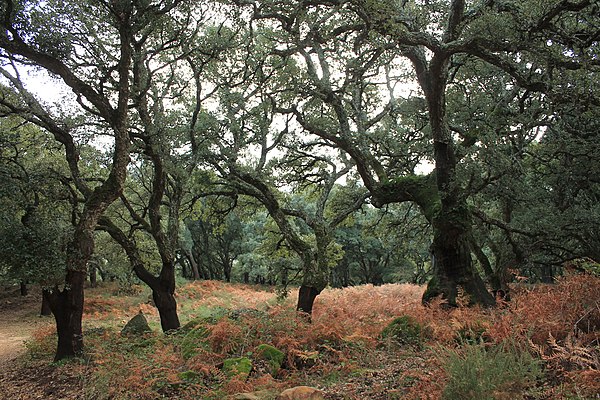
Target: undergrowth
point(559, 324)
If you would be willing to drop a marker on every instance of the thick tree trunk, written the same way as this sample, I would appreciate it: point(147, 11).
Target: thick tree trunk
point(246, 277)
point(306, 299)
point(452, 263)
point(23, 288)
point(167, 309)
point(67, 307)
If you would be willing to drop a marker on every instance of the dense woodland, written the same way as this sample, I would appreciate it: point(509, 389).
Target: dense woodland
point(302, 145)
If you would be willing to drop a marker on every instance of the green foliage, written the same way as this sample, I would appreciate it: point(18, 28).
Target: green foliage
point(404, 330)
point(477, 372)
point(472, 334)
point(239, 367)
point(193, 340)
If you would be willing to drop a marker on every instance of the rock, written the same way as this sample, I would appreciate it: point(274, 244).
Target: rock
point(260, 395)
point(237, 367)
point(244, 396)
point(301, 393)
point(136, 326)
point(272, 356)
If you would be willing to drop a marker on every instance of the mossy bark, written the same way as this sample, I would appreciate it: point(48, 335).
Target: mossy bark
point(452, 266)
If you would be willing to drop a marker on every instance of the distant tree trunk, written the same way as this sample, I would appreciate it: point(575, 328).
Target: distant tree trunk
point(23, 288)
point(547, 274)
point(227, 270)
point(45, 308)
point(493, 277)
point(284, 277)
point(93, 274)
point(246, 277)
point(306, 299)
point(195, 272)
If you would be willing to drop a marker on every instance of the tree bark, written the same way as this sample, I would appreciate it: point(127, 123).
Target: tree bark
point(45, 307)
point(93, 275)
point(23, 288)
point(67, 307)
point(195, 272)
point(452, 263)
point(166, 304)
point(306, 299)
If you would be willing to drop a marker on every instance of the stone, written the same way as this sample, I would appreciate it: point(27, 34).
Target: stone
point(301, 393)
point(136, 326)
point(244, 396)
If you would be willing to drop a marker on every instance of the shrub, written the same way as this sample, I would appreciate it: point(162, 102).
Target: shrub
point(404, 330)
point(478, 372)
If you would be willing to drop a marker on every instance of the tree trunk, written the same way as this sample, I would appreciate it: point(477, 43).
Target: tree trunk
point(67, 307)
point(306, 299)
point(167, 309)
point(23, 288)
point(547, 274)
point(195, 272)
point(452, 263)
point(246, 277)
point(45, 308)
point(93, 275)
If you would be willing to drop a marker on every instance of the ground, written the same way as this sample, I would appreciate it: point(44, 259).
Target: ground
point(342, 351)
point(20, 378)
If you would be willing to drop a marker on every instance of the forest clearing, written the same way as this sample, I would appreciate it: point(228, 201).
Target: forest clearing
point(542, 345)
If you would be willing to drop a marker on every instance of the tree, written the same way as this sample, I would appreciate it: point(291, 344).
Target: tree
point(525, 44)
point(90, 47)
point(248, 138)
point(34, 221)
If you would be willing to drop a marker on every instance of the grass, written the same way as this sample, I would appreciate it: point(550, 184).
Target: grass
point(466, 352)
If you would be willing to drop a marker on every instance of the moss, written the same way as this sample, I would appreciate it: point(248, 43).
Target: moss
point(237, 367)
point(272, 355)
point(404, 330)
point(421, 189)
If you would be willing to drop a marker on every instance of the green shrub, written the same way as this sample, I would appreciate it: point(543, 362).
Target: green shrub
point(404, 330)
point(476, 333)
point(478, 372)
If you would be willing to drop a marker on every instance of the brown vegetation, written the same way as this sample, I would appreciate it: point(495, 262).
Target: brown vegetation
point(341, 351)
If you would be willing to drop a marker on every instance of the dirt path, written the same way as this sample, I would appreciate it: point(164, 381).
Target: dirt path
point(18, 320)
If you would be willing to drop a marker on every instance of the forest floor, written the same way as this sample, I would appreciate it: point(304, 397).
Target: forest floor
point(341, 352)
point(20, 377)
